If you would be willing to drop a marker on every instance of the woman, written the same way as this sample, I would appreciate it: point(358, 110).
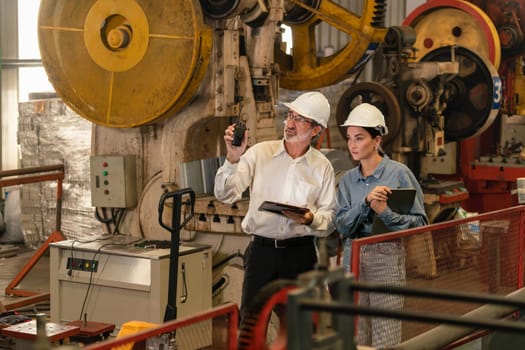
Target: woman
point(362, 194)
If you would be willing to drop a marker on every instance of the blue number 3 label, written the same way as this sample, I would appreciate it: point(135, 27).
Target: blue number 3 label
point(496, 101)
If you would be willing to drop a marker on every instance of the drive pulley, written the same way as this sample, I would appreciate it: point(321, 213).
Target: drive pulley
point(124, 63)
point(475, 94)
point(454, 23)
point(304, 68)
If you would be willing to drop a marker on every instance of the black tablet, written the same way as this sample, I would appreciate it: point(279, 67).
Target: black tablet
point(278, 208)
point(400, 201)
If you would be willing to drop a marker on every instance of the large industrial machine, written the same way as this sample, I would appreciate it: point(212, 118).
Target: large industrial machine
point(437, 80)
point(161, 80)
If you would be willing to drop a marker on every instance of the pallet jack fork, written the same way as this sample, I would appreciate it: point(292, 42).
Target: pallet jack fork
point(26, 176)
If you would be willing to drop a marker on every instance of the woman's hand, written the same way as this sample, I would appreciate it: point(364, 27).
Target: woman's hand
point(377, 198)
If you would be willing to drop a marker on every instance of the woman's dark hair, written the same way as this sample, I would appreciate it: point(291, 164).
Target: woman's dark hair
point(372, 131)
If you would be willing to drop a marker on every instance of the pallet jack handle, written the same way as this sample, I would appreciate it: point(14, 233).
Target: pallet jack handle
point(174, 228)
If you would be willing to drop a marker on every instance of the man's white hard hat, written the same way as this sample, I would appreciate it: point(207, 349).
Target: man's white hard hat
point(313, 105)
point(367, 116)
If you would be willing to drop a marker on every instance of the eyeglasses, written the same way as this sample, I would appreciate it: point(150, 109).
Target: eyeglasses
point(298, 118)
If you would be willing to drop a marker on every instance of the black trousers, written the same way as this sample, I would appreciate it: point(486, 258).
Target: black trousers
point(265, 262)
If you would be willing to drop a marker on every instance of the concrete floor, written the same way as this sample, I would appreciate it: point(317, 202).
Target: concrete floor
point(12, 263)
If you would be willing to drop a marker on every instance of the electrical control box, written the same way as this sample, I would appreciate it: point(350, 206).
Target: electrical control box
point(113, 181)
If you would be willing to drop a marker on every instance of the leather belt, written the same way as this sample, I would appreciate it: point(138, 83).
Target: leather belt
point(282, 243)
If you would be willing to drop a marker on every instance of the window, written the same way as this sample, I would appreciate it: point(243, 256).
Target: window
point(31, 79)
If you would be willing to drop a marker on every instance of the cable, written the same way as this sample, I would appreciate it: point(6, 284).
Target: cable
point(225, 260)
point(116, 218)
point(90, 283)
point(104, 219)
point(70, 269)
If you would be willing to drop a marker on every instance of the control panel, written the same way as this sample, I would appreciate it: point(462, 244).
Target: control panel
point(78, 264)
point(113, 181)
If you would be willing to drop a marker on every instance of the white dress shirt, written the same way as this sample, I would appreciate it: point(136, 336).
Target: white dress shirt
point(271, 174)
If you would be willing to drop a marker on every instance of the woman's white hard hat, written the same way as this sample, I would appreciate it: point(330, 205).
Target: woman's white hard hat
point(367, 116)
point(313, 105)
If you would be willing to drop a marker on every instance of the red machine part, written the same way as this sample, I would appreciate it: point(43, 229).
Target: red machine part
point(509, 19)
point(252, 335)
point(466, 23)
point(502, 22)
point(491, 185)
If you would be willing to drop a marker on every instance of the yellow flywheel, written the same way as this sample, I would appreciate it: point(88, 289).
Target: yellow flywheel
point(124, 63)
point(445, 23)
point(304, 68)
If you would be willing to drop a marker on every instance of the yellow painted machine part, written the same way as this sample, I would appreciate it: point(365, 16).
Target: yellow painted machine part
point(124, 63)
point(519, 85)
point(439, 23)
point(304, 69)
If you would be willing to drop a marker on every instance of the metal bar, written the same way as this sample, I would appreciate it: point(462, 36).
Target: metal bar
point(32, 170)
point(338, 307)
point(229, 309)
point(25, 177)
point(33, 299)
point(18, 63)
point(438, 294)
point(445, 335)
point(10, 289)
point(30, 180)
point(440, 226)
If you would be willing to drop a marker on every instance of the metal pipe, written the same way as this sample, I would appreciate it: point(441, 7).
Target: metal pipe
point(33, 170)
point(456, 327)
point(20, 63)
point(472, 322)
point(442, 335)
point(468, 297)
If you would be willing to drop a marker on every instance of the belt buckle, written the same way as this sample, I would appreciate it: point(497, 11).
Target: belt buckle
point(276, 244)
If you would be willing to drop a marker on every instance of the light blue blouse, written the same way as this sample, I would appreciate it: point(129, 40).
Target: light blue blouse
point(353, 217)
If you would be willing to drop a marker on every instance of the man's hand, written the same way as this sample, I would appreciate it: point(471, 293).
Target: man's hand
point(300, 219)
point(234, 152)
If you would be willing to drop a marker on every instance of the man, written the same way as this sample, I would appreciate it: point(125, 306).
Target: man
point(288, 171)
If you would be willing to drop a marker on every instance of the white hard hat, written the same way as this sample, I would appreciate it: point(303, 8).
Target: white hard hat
point(313, 105)
point(368, 116)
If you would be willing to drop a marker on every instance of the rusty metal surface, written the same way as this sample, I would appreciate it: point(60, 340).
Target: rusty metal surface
point(27, 330)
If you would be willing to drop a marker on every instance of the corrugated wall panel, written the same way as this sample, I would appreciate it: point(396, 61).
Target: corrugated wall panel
point(328, 37)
